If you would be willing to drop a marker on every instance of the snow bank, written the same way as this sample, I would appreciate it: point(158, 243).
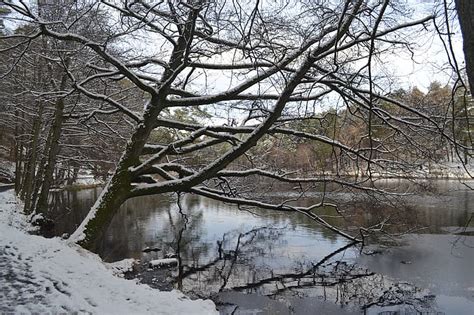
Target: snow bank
point(119, 268)
point(40, 275)
point(7, 171)
point(11, 213)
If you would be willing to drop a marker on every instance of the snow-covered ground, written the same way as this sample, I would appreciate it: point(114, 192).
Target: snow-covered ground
point(39, 275)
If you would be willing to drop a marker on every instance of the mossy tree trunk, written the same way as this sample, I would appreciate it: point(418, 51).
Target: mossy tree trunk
point(118, 187)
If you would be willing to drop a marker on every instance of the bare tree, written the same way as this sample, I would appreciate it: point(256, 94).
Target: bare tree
point(53, 121)
point(256, 68)
point(465, 10)
point(463, 76)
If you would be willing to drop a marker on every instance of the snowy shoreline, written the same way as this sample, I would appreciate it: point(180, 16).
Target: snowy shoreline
point(40, 275)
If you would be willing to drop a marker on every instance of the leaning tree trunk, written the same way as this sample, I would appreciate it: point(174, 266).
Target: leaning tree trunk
point(465, 9)
point(116, 191)
point(111, 198)
point(119, 185)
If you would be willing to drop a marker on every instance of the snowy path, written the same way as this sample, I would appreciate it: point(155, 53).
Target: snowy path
point(19, 286)
point(39, 275)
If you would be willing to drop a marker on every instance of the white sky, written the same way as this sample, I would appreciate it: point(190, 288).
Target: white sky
point(429, 60)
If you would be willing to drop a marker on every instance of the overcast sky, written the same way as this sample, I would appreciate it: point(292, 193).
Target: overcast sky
point(430, 61)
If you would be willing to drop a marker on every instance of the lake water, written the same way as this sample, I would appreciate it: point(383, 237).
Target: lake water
point(253, 261)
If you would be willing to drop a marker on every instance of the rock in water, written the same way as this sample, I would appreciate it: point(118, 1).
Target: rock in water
point(163, 263)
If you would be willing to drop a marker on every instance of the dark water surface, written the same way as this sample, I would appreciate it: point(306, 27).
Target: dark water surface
point(253, 261)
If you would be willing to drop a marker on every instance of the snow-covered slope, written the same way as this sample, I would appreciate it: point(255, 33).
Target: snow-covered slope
point(39, 275)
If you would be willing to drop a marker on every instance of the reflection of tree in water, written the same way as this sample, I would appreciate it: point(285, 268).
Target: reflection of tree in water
point(245, 261)
point(239, 264)
point(186, 231)
point(350, 286)
point(238, 259)
point(67, 208)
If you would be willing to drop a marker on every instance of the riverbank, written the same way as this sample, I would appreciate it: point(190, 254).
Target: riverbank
point(40, 275)
point(446, 171)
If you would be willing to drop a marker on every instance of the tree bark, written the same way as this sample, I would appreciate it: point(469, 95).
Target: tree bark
point(18, 154)
point(115, 192)
point(118, 188)
point(50, 155)
point(465, 9)
point(30, 169)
